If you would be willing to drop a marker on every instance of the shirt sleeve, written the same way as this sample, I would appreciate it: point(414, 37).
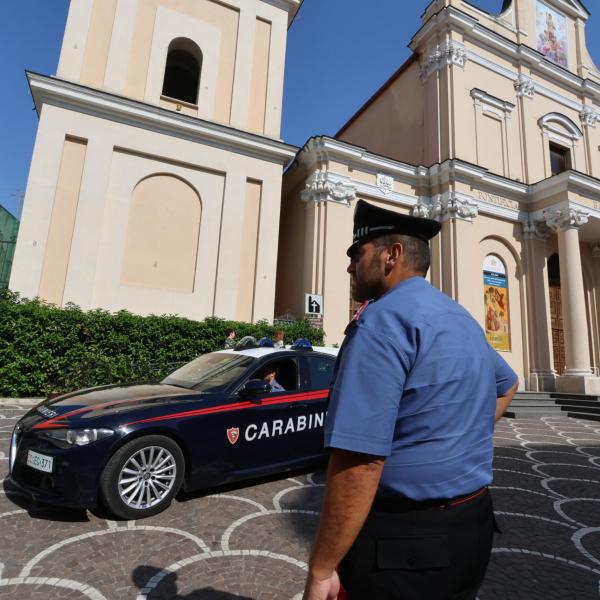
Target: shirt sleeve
point(366, 393)
point(505, 376)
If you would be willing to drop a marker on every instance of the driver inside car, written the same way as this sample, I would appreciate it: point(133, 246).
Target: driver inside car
point(268, 375)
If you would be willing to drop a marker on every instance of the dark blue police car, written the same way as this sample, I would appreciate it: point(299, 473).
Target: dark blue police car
point(213, 421)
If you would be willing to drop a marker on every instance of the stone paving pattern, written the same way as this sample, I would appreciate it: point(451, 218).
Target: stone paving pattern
point(251, 542)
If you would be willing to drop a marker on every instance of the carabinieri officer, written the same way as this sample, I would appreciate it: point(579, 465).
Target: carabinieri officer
point(417, 388)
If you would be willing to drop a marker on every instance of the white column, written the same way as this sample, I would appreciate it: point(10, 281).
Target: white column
point(566, 223)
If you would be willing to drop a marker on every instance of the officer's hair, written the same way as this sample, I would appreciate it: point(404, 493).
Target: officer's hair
point(416, 250)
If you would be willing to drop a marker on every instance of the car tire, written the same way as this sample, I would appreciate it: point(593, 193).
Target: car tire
point(142, 477)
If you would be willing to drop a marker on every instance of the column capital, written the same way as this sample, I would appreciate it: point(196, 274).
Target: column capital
point(524, 86)
point(421, 210)
point(566, 218)
point(451, 206)
point(450, 53)
point(536, 230)
point(589, 116)
point(322, 188)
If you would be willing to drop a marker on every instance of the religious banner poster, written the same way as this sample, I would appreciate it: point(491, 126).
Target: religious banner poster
point(495, 299)
point(551, 33)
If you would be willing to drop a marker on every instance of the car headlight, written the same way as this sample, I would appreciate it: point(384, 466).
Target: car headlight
point(78, 437)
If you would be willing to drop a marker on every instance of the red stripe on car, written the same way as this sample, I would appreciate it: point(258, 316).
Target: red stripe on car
point(316, 395)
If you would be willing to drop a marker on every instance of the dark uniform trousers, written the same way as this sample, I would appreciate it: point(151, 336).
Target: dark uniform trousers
point(421, 553)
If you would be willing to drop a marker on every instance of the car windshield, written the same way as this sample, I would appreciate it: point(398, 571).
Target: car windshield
point(210, 372)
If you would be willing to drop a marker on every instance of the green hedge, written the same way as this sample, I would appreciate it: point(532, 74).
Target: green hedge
point(45, 349)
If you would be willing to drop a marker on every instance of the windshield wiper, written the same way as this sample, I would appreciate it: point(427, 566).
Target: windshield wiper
point(177, 385)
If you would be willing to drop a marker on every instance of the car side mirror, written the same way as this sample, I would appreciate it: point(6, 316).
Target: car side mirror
point(254, 388)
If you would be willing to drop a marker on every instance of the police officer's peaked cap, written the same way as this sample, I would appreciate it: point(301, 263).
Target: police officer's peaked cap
point(371, 222)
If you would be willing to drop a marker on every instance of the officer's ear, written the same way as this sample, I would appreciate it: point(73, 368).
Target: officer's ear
point(396, 252)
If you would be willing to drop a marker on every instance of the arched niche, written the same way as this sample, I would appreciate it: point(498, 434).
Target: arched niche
point(507, 255)
point(163, 228)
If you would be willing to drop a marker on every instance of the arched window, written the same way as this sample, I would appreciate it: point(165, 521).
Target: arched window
point(495, 299)
point(182, 71)
point(562, 136)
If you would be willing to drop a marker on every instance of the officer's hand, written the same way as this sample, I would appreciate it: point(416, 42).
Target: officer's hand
point(322, 589)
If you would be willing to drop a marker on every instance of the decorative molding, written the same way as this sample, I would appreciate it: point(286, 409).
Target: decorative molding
point(78, 98)
point(421, 210)
point(565, 218)
point(524, 86)
point(589, 116)
point(385, 183)
point(445, 207)
point(322, 188)
point(451, 19)
point(561, 126)
point(536, 230)
point(485, 98)
point(450, 53)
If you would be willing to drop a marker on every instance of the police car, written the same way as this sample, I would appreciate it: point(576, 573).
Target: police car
point(214, 421)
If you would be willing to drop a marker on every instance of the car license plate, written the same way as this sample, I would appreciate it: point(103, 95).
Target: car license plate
point(40, 461)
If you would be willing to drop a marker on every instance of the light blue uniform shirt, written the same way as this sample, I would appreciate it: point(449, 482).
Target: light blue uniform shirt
point(416, 381)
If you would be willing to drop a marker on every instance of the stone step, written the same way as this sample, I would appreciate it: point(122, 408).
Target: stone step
point(509, 414)
point(533, 396)
point(540, 403)
point(582, 403)
point(563, 396)
point(584, 415)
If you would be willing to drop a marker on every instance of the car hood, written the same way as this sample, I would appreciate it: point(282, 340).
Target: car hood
point(77, 408)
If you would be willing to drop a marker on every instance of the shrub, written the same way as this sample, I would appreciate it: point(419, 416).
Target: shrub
point(45, 349)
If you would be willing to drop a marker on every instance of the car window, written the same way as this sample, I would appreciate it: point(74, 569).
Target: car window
point(210, 372)
point(320, 371)
point(286, 373)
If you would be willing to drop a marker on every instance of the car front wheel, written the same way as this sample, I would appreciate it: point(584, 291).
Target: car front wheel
point(142, 477)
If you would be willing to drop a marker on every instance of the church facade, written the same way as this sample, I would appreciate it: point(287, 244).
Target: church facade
point(492, 127)
point(157, 179)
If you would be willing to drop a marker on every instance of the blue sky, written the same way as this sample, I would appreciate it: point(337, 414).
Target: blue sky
point(339, 53)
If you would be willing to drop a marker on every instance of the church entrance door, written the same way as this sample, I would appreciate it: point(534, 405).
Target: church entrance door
point(558, 336)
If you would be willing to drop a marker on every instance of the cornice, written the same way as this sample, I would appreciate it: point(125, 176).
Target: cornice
point(72, 96)
point(490, 100)
point(496, 195)
point(450, 18)
point(290, 6)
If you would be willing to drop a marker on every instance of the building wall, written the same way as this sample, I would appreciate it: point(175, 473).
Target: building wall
point(122, 217)
point(121, 46)
point(392, 124)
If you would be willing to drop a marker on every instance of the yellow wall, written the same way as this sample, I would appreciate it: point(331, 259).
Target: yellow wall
point(62, 222)
point(260, 71)
point(98, 42)
point(220, 16)
point(249, 245)
point(392, 125)
point(161, 246)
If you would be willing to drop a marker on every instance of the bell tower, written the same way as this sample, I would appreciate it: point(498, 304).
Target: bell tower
point(155, 183)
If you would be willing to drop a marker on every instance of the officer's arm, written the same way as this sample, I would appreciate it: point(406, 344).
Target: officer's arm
point(352, 480)
point(503, 401)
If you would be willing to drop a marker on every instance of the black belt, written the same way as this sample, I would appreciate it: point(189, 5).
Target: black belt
point(399, 504)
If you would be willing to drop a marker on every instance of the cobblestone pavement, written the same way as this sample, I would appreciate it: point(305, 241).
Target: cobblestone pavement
point(252, 542)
